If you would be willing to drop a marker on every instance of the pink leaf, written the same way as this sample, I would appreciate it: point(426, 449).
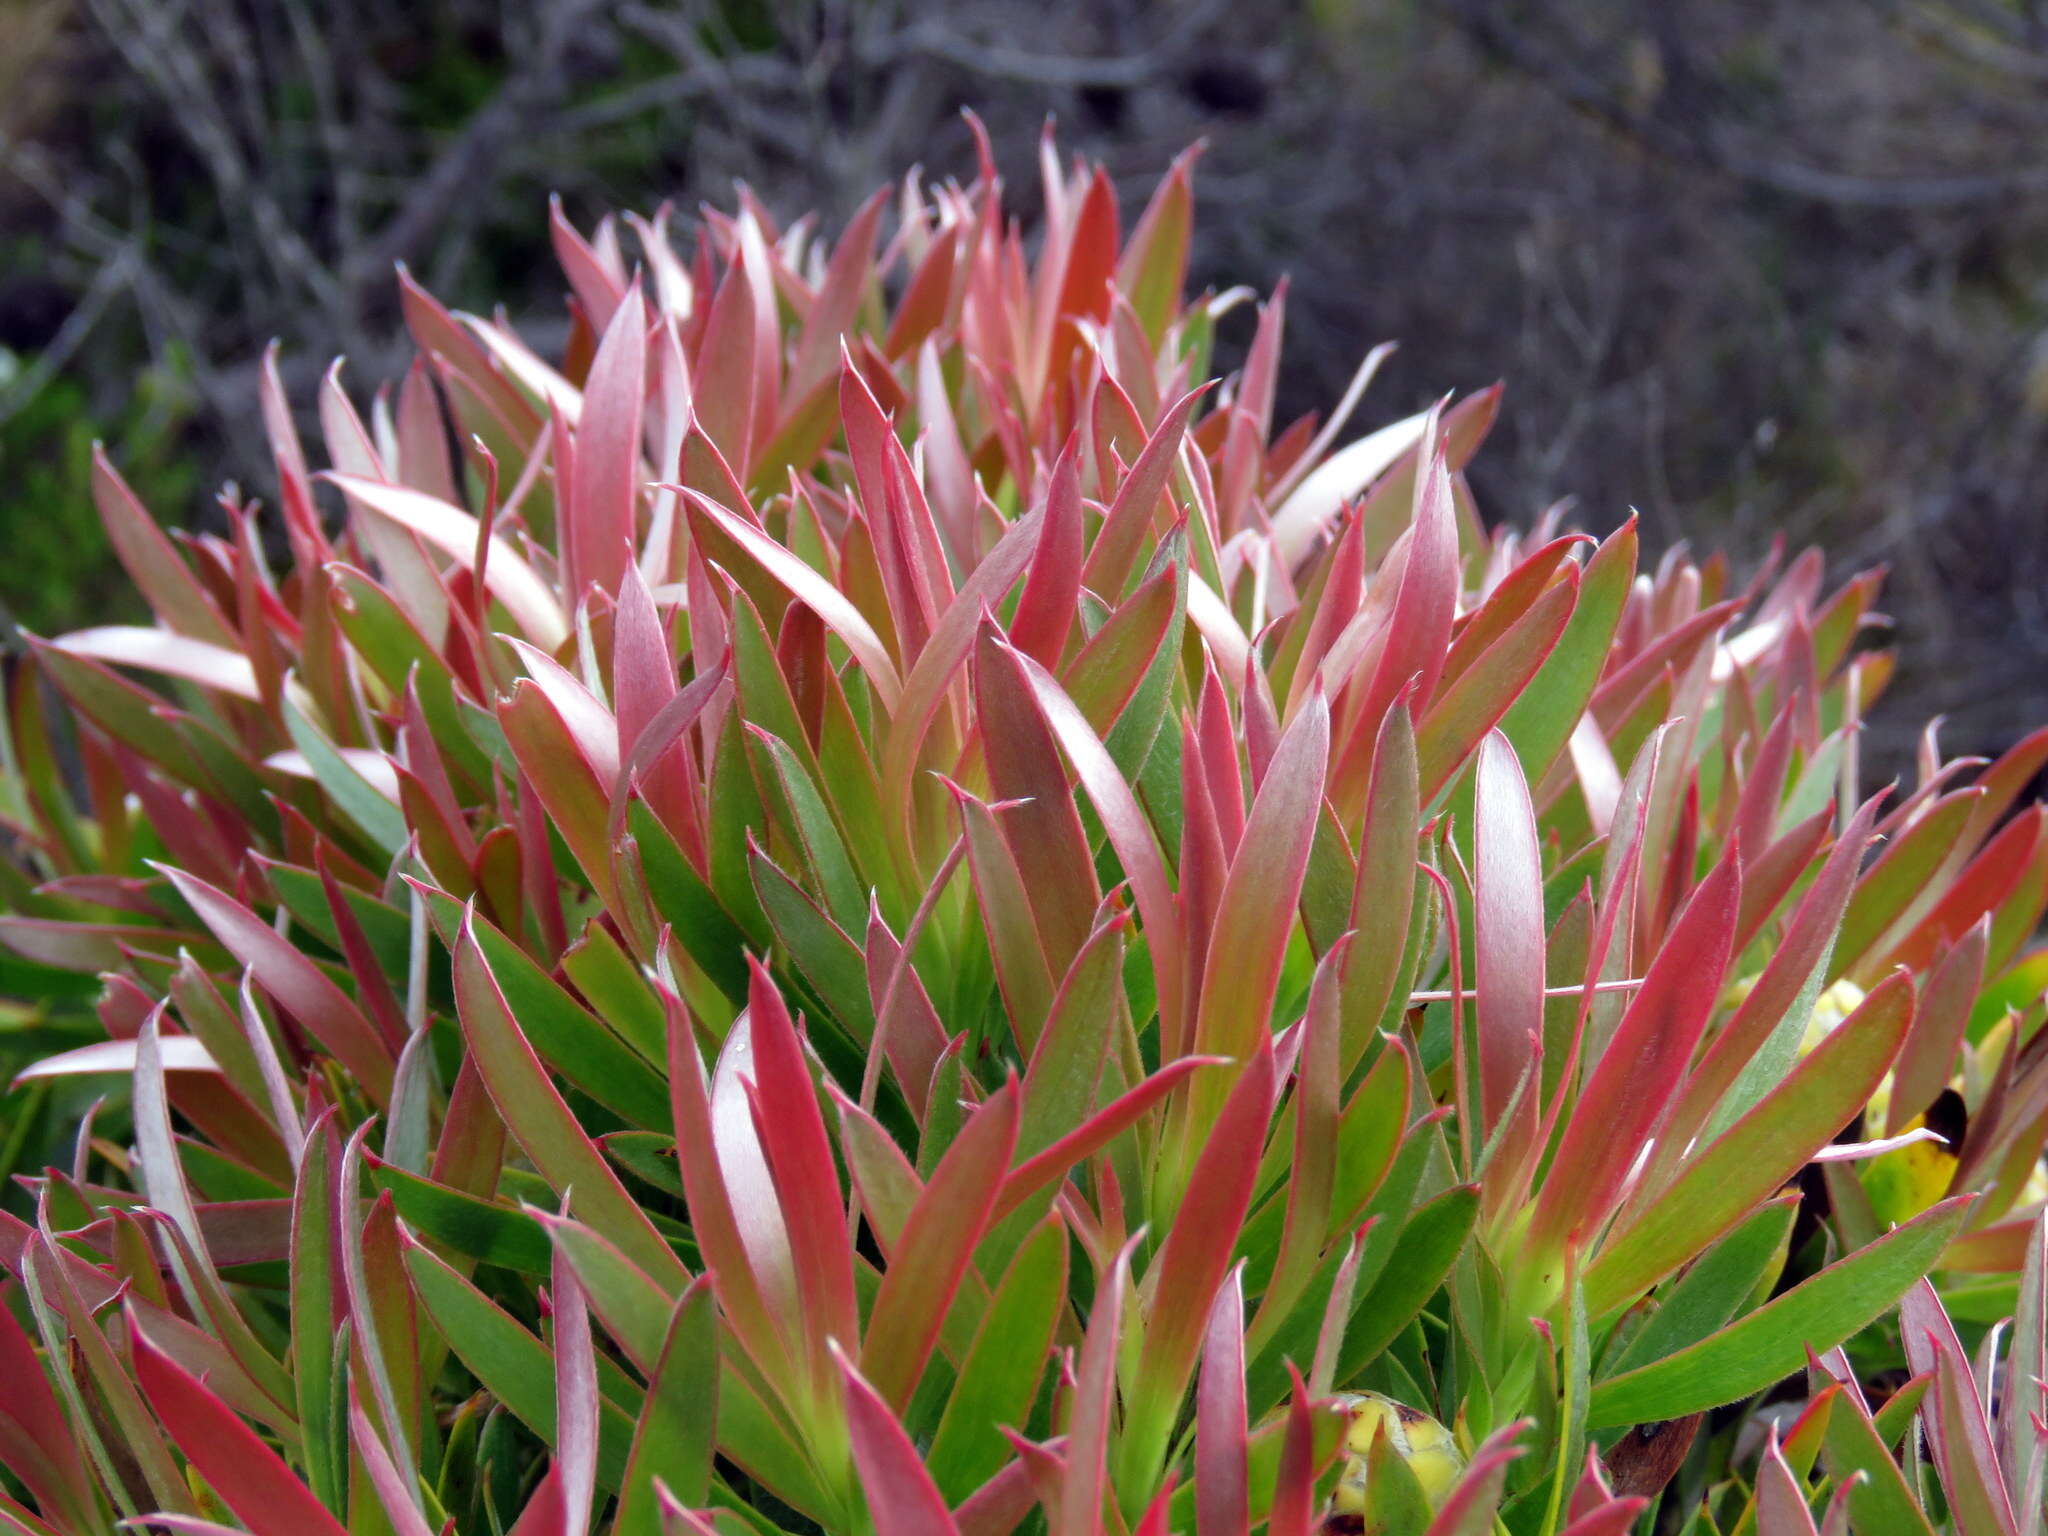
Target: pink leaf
point(1222, 1491)
point(575, 1389)
point(999, 1505)
point(296, 983)
point(901, 1495)
point(1045, 611)
point(1781, 1507)
point(813, 590)
point(392, 1489)
point(924, 690)
point(931, 1255)
point(1255, 915)
point(1959, 1428)
point(159, 650)
point(237, 1465)
point(1294, 1488)
point(1094, 1402)
point(727, 1232)
point(547, 1510)
point(1129, 522)
point(153, 562)
point(1196, 1253)
point(1508, 942)
point(799, 1155)
point(599, 511)
point(507, 576)
point(1471, 1508)
point(1624, 1102)
point(1419, 629)
point(1130, 834)
point(1101, 1128)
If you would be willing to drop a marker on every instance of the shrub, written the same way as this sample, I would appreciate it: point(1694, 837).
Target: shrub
point(869, 906)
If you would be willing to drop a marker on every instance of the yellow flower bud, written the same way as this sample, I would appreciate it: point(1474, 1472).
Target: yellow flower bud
point(1428, 1449)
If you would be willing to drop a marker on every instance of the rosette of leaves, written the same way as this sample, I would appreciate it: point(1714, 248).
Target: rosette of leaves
point(869, 904)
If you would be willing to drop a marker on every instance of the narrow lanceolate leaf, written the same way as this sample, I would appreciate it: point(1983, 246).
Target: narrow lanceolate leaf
point(452, 531)
point(1508, 944)
point(295, 982)
point(1154, 262)
point(937, 1243)
point(1929, 1053)
point(677, 1433)
point(513, 1365)
point(153, 562)
point(1000, 1375)
point(576, 1402)
point(246, 1474)
point(1881, 1498)
point(597, 544)
point(1181, 1286)
point(2021, 1453)
point(393, 1488)
point(1382, 898)
point(731, 1204)
point(1960, 1426)
point(1086, 1483)
point(790, 573)
point(156, 650)
point(1255, 915)
point(1708, 1294)
point(1419, 628)
point(1046, 1168)
point(1222, 1499)
point(1470, 704)
point(1540, 721)
point(542, 1123)
point(1773, 1341)
point(1472, 1506)
point(1130, 833)
point(1130, 517)
point(36, 1444)
point(1625, 1100)
point(315, 1286)
point(1429, 1245)
point(1041, 826)
point(1781, 1507)
point(806, 1181)
point(1793, 971)
point(901, 1495)
point(1756, 1155)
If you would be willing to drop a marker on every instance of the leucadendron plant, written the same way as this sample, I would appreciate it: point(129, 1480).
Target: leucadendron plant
point(869, 904)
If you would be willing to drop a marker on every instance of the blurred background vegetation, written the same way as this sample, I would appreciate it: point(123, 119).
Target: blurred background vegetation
point(1755, 267)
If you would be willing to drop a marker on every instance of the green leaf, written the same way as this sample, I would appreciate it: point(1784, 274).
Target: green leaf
point(380, 820)
point(613, 985)
point(476, 1229)
point(832, 963)
point(1707, 1295)
point(824, 850)
point(646, 1155)
point(679, 1421)
point(1882, 1502)
point(569, 1039)
point(542, 1123)
point(714, 940)
point(388, 930)
point(514, 1366)
point(1758, 1153)
point(1430, 1243)
point(1772, 1342)
point(1542, 718)
point(999, 1378)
